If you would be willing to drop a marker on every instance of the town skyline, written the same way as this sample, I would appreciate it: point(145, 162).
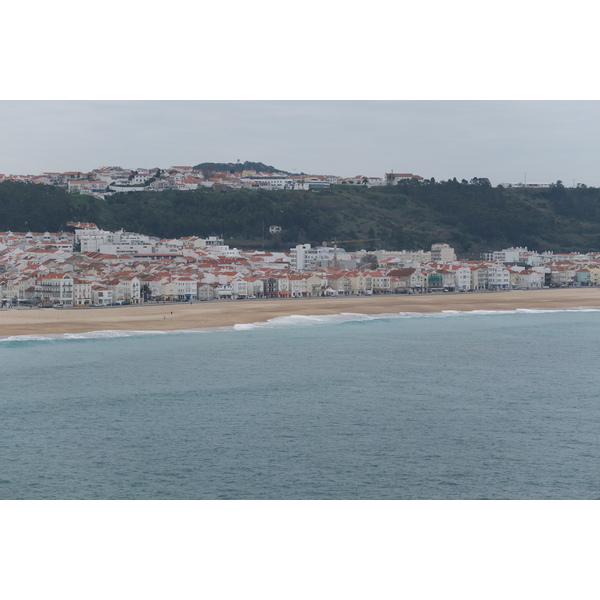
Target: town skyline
point(94, 267)
point(504, 141)
point(107, 180)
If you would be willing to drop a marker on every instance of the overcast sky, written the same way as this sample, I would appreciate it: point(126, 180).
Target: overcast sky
point(505, 141)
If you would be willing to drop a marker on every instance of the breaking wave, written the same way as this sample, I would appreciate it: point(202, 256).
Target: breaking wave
point(291, 321)
point(294, 320)
point(90, 335)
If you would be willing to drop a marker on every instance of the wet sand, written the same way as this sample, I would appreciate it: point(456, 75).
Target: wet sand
point(219, 313)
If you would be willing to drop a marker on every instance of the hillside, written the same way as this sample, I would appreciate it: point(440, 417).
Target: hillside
point(471, 216)
point(237, 167)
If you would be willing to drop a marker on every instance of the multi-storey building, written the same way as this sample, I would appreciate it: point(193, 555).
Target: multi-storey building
point(442, 253)
point(56, 288)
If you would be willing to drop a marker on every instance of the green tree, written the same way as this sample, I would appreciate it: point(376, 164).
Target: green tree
point(368, 261)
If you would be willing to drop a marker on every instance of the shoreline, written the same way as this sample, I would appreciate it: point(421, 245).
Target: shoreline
point(226, 313)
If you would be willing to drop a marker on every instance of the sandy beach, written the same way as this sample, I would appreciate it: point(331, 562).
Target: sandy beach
point(169, 317)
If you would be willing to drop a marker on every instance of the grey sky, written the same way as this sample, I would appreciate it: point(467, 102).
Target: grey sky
point(501, 140)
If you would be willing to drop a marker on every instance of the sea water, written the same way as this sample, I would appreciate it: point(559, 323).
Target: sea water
point(478, 405)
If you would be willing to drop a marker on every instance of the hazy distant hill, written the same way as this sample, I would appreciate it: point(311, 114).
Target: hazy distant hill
point(238, 167)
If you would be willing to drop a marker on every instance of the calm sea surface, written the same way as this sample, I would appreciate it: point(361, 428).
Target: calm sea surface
point(446, 406)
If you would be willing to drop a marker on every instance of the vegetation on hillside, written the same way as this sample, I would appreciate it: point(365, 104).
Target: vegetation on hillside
point(208, 168)
point(26, 207)
point(469, 215)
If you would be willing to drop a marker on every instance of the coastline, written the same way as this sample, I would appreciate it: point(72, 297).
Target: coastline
point(226, 313)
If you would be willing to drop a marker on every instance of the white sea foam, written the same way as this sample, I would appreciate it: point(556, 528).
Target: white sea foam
point(109, 333)
point(294, 320)
point(89, 335)
point(556, 310)
point(29, 338)
point(477, 312)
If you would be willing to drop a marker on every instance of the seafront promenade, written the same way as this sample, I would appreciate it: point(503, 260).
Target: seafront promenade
point(223, 313)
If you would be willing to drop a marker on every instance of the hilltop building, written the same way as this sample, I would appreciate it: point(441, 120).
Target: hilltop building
point(395, 178)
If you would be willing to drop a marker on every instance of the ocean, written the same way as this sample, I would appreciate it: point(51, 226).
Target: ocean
point(452, 405)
